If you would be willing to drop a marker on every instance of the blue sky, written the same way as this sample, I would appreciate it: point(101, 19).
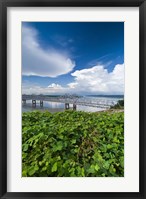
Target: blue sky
point(73, 57)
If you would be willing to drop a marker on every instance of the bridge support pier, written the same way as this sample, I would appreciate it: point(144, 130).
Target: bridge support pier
point(74, 107)
point(24, 101)
point(34, 103)
point(41, 103)
point(66, 106)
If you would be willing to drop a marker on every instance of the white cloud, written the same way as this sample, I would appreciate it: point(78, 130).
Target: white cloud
point(37, 90)
point(95, 80)
point(98, 80)
point(55, 86)
point(40, 62)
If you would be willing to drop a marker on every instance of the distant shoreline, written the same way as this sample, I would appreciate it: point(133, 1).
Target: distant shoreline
point(108, 96)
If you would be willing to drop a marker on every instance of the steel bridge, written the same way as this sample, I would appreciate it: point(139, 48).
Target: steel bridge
point(66, 99)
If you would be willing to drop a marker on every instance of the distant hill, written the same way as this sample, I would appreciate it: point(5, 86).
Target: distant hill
point(110, 96)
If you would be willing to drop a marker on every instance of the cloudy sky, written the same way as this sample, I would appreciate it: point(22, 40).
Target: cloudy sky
point(73, 57)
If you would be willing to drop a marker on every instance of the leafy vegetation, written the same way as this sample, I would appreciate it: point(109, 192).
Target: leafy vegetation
point(119, 105)
point(73, 143)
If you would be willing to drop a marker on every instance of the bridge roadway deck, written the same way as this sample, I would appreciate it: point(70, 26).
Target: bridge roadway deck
point(77, 101)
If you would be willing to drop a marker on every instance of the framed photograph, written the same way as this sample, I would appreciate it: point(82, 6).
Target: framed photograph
point(72, 99)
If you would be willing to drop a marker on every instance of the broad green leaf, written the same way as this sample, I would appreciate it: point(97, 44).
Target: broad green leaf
point(73, 141)
point(54, 168)
point(97, 167)
point(25, 147)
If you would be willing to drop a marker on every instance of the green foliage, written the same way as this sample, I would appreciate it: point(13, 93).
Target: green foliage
point(119, 105)
point(72, 144)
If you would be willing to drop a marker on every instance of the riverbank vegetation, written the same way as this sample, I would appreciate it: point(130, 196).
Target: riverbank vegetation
point(72, 144)
point(119, 105)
